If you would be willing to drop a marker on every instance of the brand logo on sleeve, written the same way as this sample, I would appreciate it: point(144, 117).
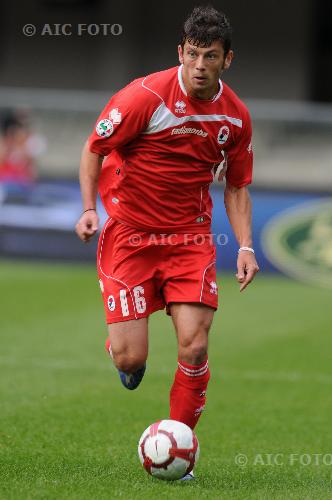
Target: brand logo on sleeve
point(104, 128)
point(115, 116)
point(223, 134)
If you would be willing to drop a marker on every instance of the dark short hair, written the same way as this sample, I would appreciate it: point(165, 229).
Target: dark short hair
point(204, 26)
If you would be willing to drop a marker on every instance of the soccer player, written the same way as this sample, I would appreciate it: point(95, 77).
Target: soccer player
point(155, 150)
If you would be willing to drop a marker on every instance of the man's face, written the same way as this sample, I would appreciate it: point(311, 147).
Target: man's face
point(202, 67)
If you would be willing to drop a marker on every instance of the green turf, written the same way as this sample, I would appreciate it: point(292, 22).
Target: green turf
point(69, 430)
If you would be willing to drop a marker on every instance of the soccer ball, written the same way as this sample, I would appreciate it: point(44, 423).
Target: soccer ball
point(168, 449)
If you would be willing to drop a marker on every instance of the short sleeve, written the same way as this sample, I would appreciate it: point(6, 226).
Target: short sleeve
point(240, 156)
point(125, 116)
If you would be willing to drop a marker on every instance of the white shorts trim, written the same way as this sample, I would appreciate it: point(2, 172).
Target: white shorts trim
point(112, 277)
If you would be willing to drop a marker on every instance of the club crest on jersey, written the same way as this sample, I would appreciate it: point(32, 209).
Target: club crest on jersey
point(111, 303)
point(223, 134)
point(180, 107)
point(104, 128)
point(115, 116)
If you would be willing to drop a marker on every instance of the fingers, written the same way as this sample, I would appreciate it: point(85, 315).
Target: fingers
point(249, 276)
point(87, 234)
point(246, 271)
point(241, 271)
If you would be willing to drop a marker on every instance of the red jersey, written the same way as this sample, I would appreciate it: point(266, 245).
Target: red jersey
point(162, 146)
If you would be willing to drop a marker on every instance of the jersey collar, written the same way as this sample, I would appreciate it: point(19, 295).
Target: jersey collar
point(183, 88)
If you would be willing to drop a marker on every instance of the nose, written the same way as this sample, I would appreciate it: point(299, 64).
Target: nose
point(200, 66)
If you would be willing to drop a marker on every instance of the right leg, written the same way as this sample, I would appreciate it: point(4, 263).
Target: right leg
point(129, 344)
point(127, 282)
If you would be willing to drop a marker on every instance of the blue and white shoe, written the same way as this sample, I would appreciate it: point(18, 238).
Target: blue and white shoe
point(130, 380)
point(188, 477)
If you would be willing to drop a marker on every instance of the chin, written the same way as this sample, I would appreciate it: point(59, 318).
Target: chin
point(200, 86)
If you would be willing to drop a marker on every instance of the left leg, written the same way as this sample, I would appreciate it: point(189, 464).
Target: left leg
point(188, 394)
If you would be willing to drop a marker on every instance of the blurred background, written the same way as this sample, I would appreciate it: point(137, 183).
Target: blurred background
point(55, 79)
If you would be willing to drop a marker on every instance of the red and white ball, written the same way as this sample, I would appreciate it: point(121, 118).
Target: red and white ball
point(168, 449)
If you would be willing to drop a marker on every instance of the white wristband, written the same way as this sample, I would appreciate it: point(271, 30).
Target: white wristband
point(246, 249)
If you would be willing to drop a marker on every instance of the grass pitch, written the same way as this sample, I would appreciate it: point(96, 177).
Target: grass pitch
point(68, 429)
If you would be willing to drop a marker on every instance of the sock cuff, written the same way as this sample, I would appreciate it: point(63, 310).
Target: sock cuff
point(193, 370)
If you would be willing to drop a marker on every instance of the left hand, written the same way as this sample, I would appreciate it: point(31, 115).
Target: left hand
point(247, 267)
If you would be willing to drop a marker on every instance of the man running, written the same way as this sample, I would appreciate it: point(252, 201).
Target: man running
point(154, 152)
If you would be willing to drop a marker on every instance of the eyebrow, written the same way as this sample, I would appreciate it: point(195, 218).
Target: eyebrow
point(193, 48)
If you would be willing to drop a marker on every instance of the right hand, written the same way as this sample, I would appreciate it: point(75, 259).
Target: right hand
point(87, 226)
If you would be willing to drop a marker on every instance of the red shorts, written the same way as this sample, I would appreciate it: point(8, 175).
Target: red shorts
point(140, 272)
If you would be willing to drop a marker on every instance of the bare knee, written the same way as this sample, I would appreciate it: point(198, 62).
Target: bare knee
point(192, 323)
point(193, 345)
point(128, 362)
point(193, 352)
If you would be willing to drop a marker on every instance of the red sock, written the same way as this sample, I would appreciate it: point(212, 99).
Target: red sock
point(188, 393)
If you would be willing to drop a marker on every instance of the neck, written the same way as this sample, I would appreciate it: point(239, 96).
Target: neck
point(204, 94)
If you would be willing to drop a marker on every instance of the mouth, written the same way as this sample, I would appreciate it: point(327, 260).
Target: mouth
point(200, 79)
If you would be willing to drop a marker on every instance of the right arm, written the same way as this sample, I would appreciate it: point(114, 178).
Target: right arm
point(131, 113)
point(90, 167)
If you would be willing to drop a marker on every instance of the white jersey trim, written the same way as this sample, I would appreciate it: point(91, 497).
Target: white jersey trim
point(163, 118)
point(180, 79)
point(153, 92)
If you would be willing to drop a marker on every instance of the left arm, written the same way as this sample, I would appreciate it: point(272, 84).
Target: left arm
point(238, 208)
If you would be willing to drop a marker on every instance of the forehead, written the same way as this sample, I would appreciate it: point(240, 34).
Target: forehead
point(215, 46)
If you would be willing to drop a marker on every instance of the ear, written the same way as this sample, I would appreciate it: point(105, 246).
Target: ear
point(228, 59)
point(180, 52)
